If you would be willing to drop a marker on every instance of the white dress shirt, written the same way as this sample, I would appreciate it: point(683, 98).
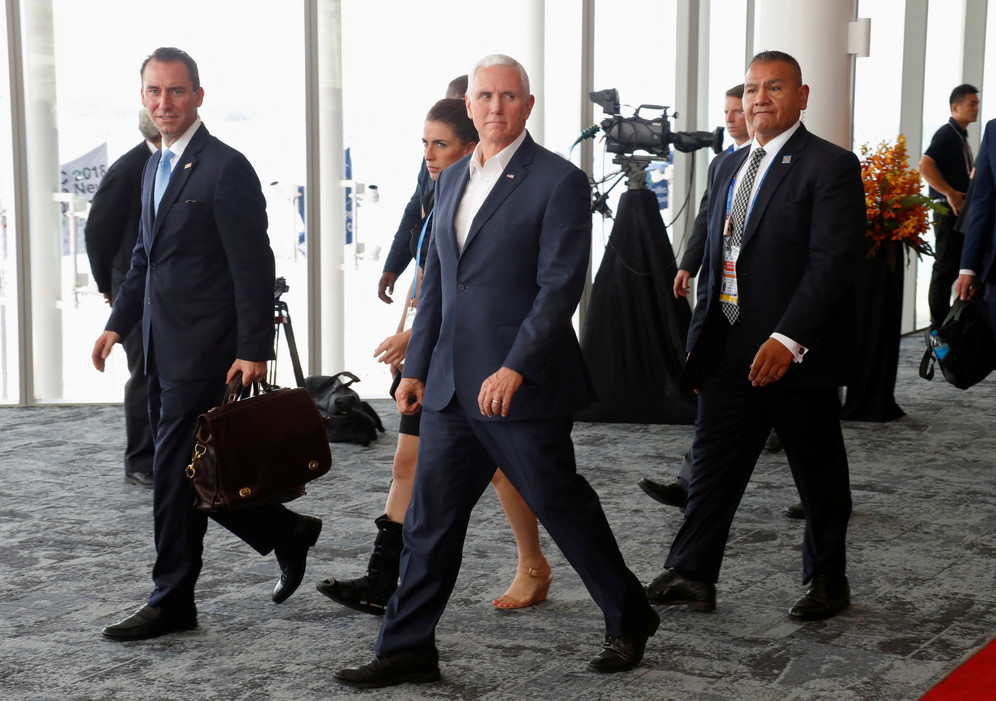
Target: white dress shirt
point(483, 177)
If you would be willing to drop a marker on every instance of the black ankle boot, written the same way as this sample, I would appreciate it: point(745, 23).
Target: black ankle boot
point(370, 594)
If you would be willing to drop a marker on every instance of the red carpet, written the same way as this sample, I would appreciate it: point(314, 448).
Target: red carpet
point(973, 681)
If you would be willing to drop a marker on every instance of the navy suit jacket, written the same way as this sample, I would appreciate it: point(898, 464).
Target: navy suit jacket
point(112, 225)
point(979, 251)
point(803, 239)
point(695, 248)
point(507, 299)
point(202, 272)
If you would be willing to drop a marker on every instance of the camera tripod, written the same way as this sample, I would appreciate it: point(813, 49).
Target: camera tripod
point(281, 317)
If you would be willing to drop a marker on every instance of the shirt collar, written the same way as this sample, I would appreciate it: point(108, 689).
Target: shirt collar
point(953, 122)
point(775, 145)
point(502, 158)
point(180, 145)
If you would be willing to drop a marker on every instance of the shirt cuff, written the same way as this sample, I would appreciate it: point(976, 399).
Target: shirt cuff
point(966, 271)
point(798, 350)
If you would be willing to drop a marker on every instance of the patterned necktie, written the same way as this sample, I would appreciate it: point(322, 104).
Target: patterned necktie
point(162, 177)
point(738, 221)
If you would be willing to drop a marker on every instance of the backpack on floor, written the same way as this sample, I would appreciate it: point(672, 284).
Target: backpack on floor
point(350, 419)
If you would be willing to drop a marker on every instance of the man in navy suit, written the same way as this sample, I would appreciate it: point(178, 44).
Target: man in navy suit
point(495, 365)
point(767, 338)
point(201, 284)
point(110, 234)
point(979, 251)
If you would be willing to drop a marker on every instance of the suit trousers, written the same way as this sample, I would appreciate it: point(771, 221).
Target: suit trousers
point(179, 528)
point(139, 447)
point(456, 461)
point(947, 261)
point(733, 422)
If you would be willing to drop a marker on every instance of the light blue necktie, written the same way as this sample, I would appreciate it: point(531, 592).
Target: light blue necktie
point(162, 177)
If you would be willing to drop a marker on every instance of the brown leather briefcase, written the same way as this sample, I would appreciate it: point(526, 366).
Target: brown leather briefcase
point(257, 449)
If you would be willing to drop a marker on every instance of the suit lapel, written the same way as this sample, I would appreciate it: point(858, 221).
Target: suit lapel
point(515, 172)
point(779, 168)
point(446, 218)
point(182, 171)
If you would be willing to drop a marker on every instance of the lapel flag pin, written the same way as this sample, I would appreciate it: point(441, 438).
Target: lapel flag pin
point(188, 165)
point(786, 160)
point(509, 176)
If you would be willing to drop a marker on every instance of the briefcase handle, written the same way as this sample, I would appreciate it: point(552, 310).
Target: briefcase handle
point(235, 389)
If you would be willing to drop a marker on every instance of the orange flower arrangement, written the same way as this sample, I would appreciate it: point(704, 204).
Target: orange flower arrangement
point(896, 208)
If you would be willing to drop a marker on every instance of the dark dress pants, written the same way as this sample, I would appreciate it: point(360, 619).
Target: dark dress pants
point(947, 262)
point(179, 528)
point(456, 461)
point(139, 446)
point(733, 422)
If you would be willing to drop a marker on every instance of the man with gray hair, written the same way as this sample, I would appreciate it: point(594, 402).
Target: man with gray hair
point(110, 234)
point(495, 366)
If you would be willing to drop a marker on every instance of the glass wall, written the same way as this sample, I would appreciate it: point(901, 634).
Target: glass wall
point(386, 95)
point(9, 357)
point(82, 86)
point(635, 54)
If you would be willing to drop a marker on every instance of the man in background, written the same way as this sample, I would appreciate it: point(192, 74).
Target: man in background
point(111, 232)
point(947, 165)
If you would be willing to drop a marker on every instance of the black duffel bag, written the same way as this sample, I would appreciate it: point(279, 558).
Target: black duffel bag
point(963, 346)
point(350, 419)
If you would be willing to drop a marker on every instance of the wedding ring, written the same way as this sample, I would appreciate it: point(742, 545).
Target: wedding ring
point(495, 401)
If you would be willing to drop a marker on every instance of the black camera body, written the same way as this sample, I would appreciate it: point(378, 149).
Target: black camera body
point(627, 135)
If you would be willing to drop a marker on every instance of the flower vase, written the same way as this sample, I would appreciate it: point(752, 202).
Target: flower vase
point(874, 354)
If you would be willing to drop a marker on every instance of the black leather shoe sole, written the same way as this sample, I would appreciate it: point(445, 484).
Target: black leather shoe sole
point(330, 588)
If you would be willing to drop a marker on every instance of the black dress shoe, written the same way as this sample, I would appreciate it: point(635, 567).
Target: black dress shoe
point(773, 444)
point(149, 622)
point(388, 671)
point(795, 511)
point(672, 494)
point(620, 654)
point(139, 479)
point(293, 556)
point(671, 589)
point(824, 598)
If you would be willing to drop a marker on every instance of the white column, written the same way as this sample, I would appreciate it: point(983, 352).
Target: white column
point(325, 199)
point(687, 82)
point(973, 61)
point(911, 125)
point(39, 225)
point(535, 66)
point(815, 33)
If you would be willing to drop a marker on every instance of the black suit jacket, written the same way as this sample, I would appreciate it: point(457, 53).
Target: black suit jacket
point(695, 248)
point(112, 225)
point(803, 239)
point(201, 277)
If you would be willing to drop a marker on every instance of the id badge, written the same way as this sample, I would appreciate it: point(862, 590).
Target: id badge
point(728, 286)
point(409, 318)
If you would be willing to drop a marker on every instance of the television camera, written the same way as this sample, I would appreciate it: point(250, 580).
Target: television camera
point(624, 136)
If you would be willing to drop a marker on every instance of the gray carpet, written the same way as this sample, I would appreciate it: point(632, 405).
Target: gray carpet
point(76, 551)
